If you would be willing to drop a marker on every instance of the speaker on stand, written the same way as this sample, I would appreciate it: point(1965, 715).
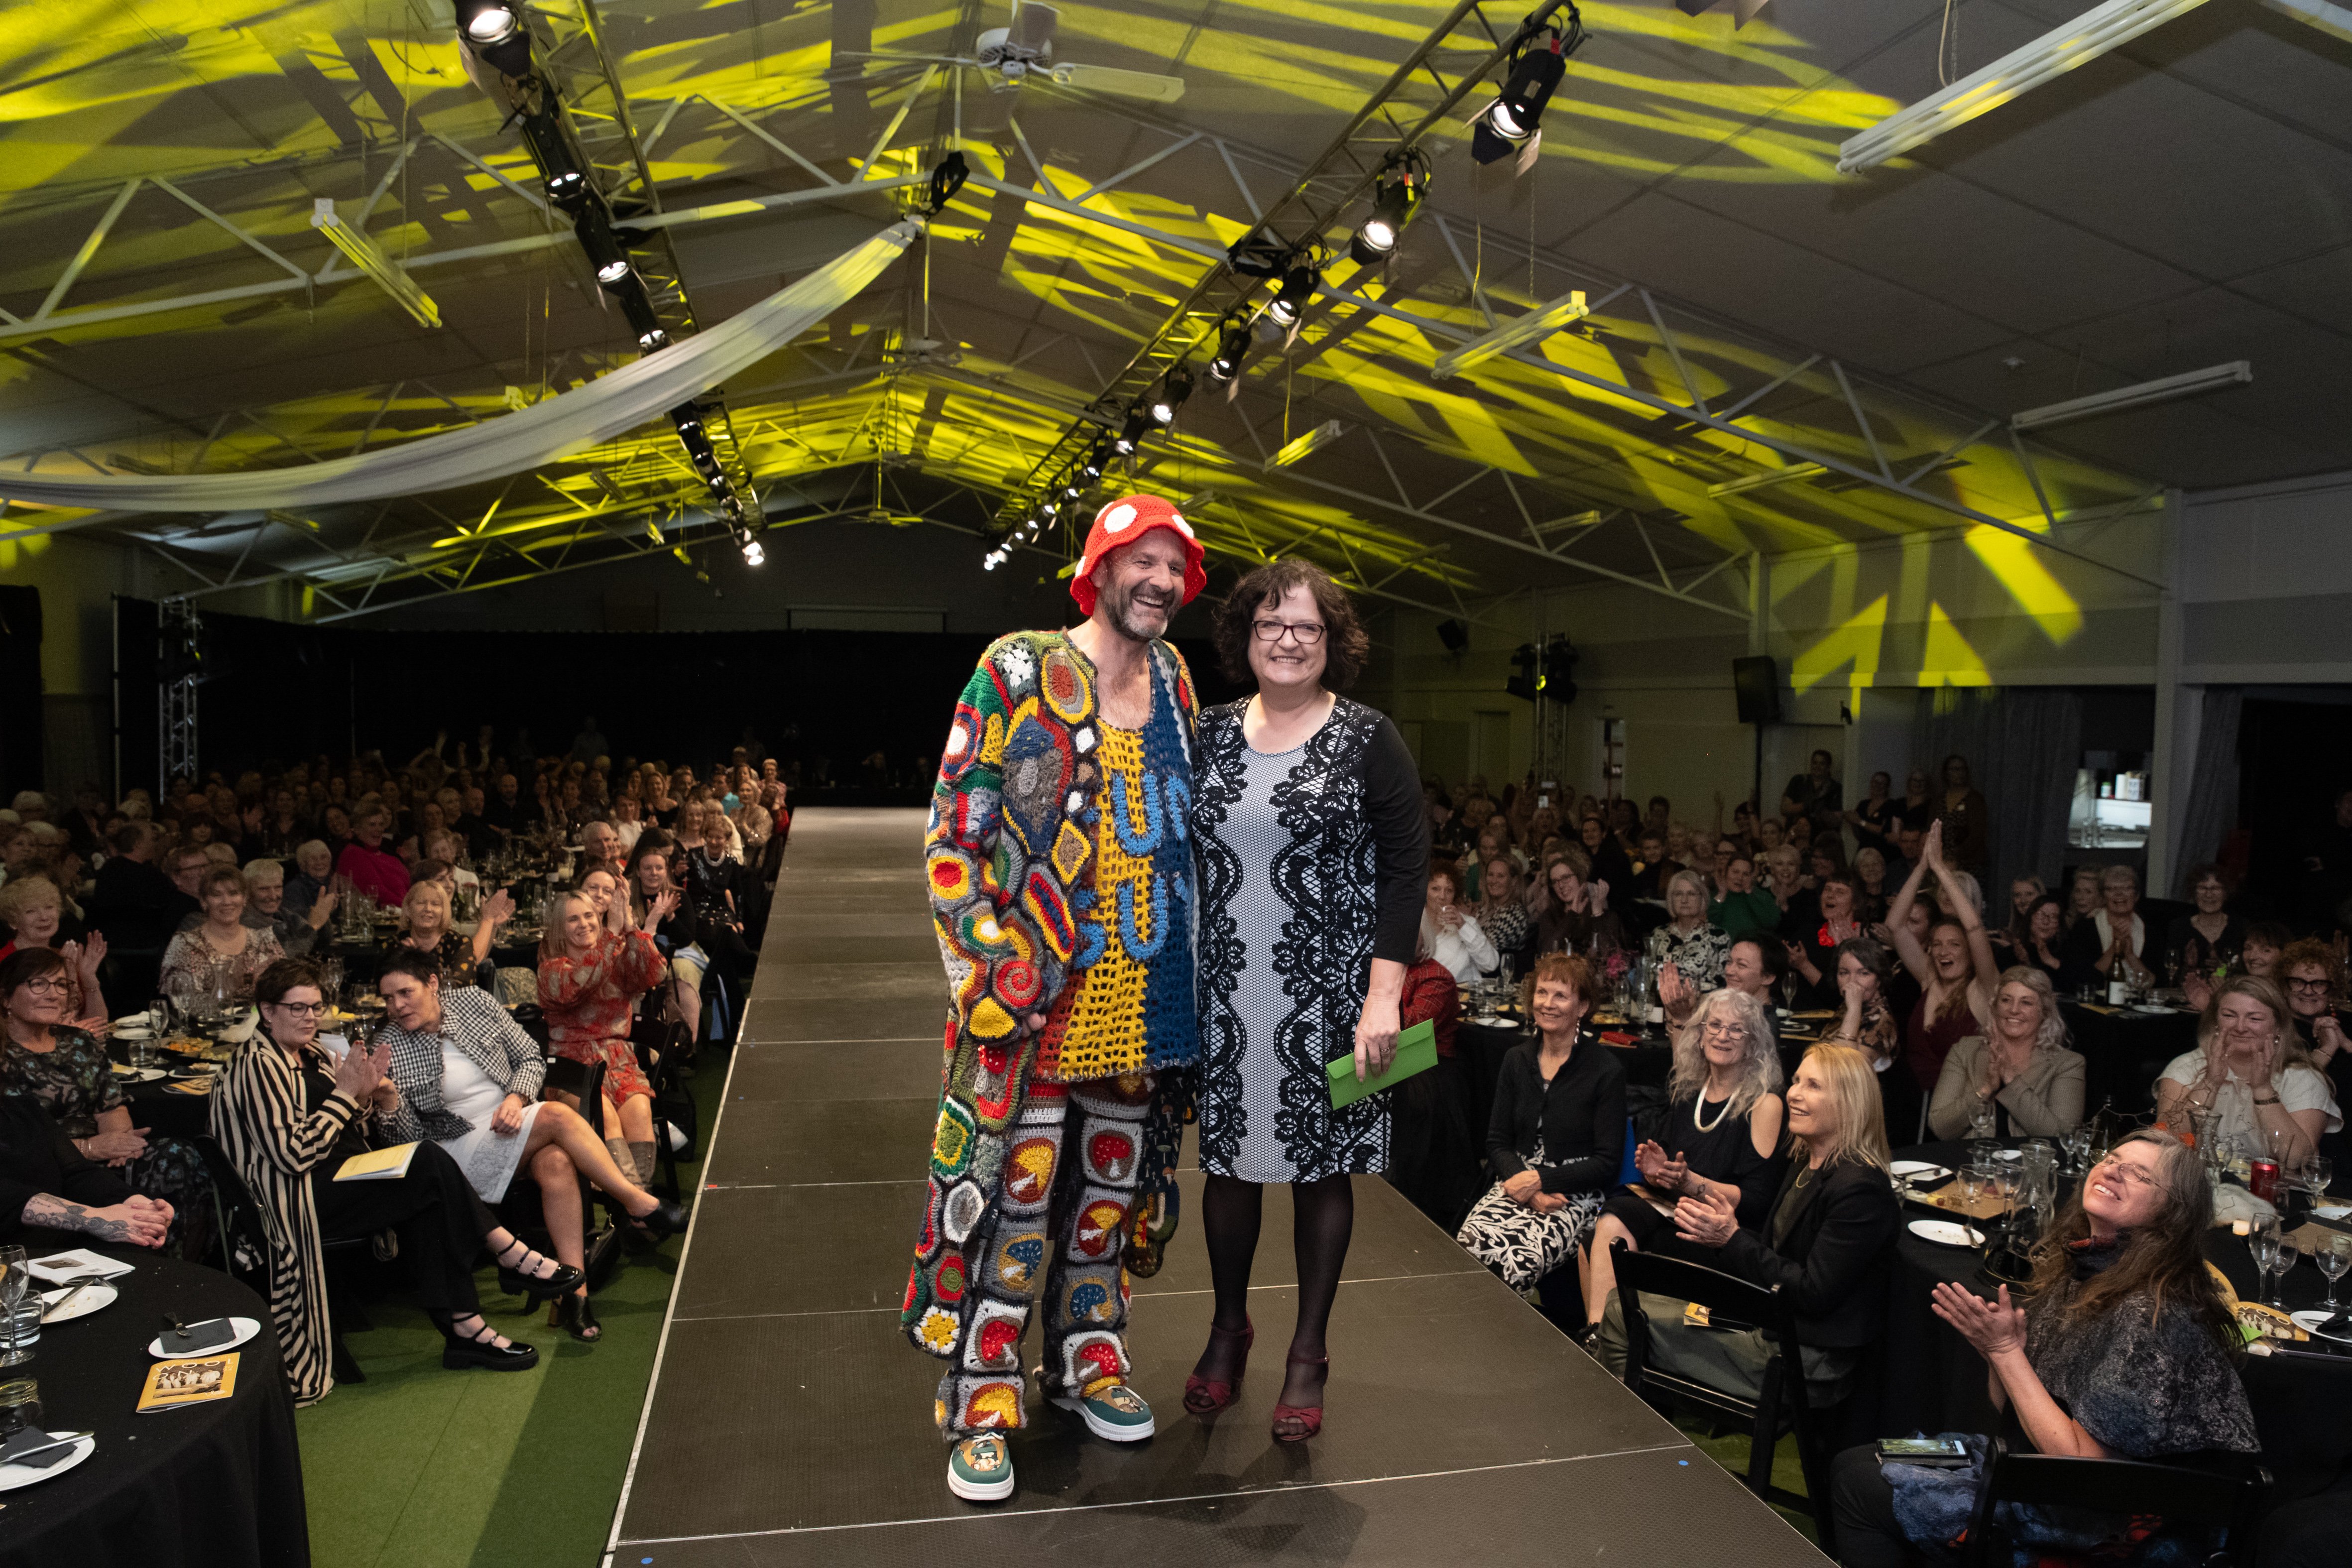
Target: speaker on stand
point(1756, 682)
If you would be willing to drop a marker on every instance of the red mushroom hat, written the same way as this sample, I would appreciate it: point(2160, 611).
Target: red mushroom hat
point(1124, 521)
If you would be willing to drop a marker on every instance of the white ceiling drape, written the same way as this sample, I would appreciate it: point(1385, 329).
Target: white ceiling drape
point(547, 431)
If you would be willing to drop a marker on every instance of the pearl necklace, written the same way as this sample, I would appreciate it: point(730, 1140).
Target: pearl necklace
point(1698, 1112)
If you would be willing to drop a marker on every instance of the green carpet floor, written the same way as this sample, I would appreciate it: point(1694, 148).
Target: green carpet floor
point(424, 1467)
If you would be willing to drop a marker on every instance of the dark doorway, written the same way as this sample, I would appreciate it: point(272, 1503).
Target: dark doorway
point(2295, 757)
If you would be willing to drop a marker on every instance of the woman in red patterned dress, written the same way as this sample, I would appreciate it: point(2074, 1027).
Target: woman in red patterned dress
point(593, 966)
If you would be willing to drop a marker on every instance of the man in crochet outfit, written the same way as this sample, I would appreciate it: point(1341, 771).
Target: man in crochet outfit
point(1060, 865)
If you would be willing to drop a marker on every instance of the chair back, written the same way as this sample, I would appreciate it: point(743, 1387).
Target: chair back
point(1723, 1295)
point(2178, 1493)
point(244, 1240)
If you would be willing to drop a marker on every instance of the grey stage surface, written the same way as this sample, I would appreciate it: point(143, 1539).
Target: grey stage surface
point(789, 1423)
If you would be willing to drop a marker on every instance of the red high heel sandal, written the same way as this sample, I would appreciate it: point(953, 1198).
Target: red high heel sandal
point(1309, 1416)
point(1206, 1397)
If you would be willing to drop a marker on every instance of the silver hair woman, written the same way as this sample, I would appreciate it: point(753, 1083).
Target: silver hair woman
point(1722, 1138)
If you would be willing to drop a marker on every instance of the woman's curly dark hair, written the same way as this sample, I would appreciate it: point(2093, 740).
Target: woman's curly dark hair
point(1346, 644)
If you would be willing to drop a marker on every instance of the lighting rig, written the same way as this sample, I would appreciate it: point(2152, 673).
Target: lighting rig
point(497, 45)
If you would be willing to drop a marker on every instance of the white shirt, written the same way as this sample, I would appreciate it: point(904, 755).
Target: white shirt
point(2299, 1088)
point(1465, 952)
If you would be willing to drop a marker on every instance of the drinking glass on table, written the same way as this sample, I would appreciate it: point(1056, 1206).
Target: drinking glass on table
point(2263, 1242)
point(2334, 1257)
point(16, 1278)
point(20, 1406)
point(2287, 1252)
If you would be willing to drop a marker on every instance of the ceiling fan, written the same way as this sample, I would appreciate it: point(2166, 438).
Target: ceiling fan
point(1016, 54)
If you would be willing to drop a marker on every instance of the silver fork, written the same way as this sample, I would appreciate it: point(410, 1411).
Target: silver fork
point(77, 1285)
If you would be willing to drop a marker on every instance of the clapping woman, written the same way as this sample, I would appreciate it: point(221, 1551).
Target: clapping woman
point(1314, 853)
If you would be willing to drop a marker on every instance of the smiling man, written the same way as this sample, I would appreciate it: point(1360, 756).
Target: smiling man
point(1060, 865)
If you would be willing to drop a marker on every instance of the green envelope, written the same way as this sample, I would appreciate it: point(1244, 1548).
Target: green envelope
point(1417, 1052)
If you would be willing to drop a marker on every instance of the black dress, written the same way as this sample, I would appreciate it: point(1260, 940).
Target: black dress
point(1724, 1152)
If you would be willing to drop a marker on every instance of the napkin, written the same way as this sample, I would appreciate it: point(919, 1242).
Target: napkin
point(59, 1267)
point(236, 1034)
point(33, 1437)
point(196, 1337)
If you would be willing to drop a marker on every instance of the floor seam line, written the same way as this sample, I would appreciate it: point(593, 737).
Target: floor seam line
point(976, 1514)
point(1140, 1296)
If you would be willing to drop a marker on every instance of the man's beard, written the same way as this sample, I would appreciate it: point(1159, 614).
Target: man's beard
point(1134, 619)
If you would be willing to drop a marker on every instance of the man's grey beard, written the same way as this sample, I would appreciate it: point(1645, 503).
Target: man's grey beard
point(1125, 617)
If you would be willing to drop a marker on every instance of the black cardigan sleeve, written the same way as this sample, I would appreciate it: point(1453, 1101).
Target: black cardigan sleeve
point(1859, 1216)
point(36, 1157)
point(1603, 1097)
point(1502, 1159)
point(1400, 825)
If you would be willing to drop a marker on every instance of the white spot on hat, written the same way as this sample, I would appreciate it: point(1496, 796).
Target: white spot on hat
point(1182, 526)
point(1117, 518)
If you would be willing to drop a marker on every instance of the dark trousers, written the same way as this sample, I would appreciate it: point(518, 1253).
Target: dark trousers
point(2309, 1532)
point(1863, 1504)
point(433, 1211)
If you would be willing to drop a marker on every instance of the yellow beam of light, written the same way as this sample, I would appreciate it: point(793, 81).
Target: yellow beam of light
point(2024, 573)
point(1949, 660)
point(1855, 643)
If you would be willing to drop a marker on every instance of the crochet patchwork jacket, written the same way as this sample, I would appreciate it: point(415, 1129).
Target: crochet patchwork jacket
point(1010, 856)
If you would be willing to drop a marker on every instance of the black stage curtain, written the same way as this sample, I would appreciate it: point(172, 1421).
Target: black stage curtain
point(20, 689)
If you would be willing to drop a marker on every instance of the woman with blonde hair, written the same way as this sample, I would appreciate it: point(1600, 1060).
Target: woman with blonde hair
point(1696, 948)
point(2018, 1078)
point(2249, 1070)
point(34, 911)
point(1723, 1132)
point(1502, 907)
point(592, 968)
point(426, 907)
point(1826, 1245)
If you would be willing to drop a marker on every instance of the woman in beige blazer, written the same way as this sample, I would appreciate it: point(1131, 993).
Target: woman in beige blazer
point(2019, 1074)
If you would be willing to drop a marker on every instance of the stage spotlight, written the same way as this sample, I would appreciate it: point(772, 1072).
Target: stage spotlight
point(1071, 493)
point(754, 552)
point(1174, 388)
point(656, 339)
point(1091, 469)
point(1297, 287)
point(1395, 193)
point(995, 558)
point(493, 30)
point(1514, 117)
point(1138, 421)
point(568, 189)
point(1232, 347)
point(611, 274)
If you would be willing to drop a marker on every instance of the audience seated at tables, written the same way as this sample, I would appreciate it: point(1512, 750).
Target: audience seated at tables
point(222, 941)
point(2112, 943)
point(1723, 1131)
point(1953, 967)
point(1752, 965)
point(674, 935)
point(1612, 866)
point(593, 965)
point(297, 927)
point(1456, 940)
point(2251, 1072)
point(1502, 911)
point(429, 931)
point(368, 867)
point(1571, 912)
point(2043, 938)
point(2121, 1351)
point(1687, 941)
point(469, 1079)
point(1865, 976)
point(287, 1115)
point(2017, 1079)
point(2313, 973)
point(45, 1058)
point(2208, 939)
point(1741, 908)
point(1554, 1141)
point(1871, 887)
point(1811, 944)
point(34, 913)
point(703, 864)
point(50, 1191)
point(1827, 1243)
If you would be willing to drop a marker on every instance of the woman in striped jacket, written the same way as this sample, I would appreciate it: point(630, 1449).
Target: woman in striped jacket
point(289, 1110)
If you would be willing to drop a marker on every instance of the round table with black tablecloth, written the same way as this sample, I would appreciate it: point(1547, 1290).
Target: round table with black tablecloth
point(204, 1486)
point(167, 1113)
point(2123, 1051)
point(1936, 1381)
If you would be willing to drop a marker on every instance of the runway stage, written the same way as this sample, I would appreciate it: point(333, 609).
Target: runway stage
point(789, 1422)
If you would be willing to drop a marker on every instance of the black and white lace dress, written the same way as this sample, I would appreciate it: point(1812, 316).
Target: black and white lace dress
point(1312, 865)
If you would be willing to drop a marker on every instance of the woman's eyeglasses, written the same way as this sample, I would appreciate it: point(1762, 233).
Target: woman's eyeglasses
point(1307, 633)
point(301, 1009)
point(2126, 1170)
point(50, 985)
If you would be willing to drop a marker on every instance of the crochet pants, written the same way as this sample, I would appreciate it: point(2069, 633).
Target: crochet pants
point(1072, 1167)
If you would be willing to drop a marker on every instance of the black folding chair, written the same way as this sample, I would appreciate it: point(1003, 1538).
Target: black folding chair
point(2179, 1494)
point(1779, 1404)
point(244, 1254)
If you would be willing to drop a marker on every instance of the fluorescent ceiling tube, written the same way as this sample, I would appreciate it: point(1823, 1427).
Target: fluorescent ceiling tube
point(1517, 332)
point(1323, 435)
point(1768, 476)
point(364, 254)
point(2189, 383)
point(2084, 38)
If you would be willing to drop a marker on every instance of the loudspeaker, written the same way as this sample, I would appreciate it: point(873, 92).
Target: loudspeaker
point(1453, 635)
point(20, 689)
point(1756, 683)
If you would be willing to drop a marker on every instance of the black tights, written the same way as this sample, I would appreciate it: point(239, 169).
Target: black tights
point(1323, 1215)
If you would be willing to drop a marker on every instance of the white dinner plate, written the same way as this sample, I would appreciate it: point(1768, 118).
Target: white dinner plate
point(245, 1329)
point(2309, 1322)
point(139, 1075)
point(1945, 1233)
point(2332, 1211)
point(141, 1030)
point(93, 1299)
point(2009, 1154)
point(2150, 1008)
point(1919, 1170)
point(59, 1267)
point(14, 1476)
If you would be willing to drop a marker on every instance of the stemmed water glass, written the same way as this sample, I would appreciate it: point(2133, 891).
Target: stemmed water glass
point(2333, 1256)
point(16, 1278)
point(2075, 1143)
point(2287, 1252)
point(2263, 1242)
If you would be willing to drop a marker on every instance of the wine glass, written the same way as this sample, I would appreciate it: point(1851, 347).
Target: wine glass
point(2263, 1242)
point(2333, 1258)
point(2287, 1252)
point(16, 1278)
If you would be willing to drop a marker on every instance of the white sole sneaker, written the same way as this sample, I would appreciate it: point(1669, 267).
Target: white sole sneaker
point(979, 1491)
point(1106, 1430)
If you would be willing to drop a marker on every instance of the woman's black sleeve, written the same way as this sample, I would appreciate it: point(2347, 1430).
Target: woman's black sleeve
point(1400, 825)
point(1503, 1158)
point(1597, 1170)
